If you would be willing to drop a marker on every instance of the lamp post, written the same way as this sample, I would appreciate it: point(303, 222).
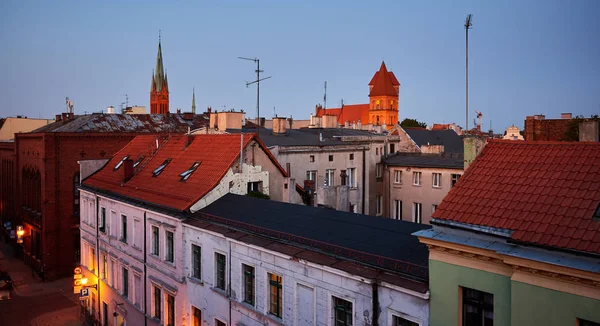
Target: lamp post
point(257, 82)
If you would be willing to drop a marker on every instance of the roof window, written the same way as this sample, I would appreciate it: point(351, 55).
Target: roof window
point(159, 169)
point(186, 174)
point(121, 162)
point(138, 161)
point(597, 213)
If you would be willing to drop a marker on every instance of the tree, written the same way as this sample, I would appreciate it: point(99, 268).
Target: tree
point(572, 133)
point(412, 123)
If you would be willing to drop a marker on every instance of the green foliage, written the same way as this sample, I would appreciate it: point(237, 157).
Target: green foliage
point(572, 133)
point(258, 194)
point(412, 123)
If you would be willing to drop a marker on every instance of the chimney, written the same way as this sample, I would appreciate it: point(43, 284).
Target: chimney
point(58, 118)
point(279, 125)
point(261, 122)
point(127, 170)
point(178, 111)
point(209, 110)
point(566, 116)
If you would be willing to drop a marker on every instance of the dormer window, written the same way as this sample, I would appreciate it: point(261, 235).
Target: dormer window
point(121, 162)
point(186, 174)
point(138, 161)
point(159, 169)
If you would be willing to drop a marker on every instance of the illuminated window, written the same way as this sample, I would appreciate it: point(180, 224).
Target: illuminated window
point(275, 297)
point(159, 169)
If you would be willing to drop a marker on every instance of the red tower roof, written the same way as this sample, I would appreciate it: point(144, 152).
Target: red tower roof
point(383, 82)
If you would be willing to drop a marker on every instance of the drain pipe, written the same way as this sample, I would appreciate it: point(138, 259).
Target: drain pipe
point(145, 277)
point(229, 283)
point(98, 254)
point(375, 320)
point(364, 179)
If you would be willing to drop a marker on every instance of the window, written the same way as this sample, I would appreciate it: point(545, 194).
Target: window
point(92, 264)
point(157, 302)
point(76, 180)
point(311, 175)
point(399, 321)
point(311, 158)
point(378, 170)
point(137, 289)
point(186, 174)
point(124, 228)
point(392, 148)
point(329, 177)
point(102, 219)
point(330, 158)
point(433, 208)
point(398, 177)
point(113, 224)
point(113, 273)
point(169, 240)
point(288, 168)
point(342, 312)
point(398, 209)
point(138, 161)
point(417, 214)
point(583, 322)
point(104, 314)
point(455, 178)
point(478, 308)
point(377, 151)
point(196, 262)
point(155, 241)
point(416, 178)
point(160, 168)
point(379, 204)
point(125, 290)
point(275, 295)
point(437, 180)
point(351, 175)
point(91, 215)
point(197, 316)
point(254, 187)
point(220, 270)
point(351, 156)
point(248, 284)
point(104, 267)
point(121, 162)
point(170, 310)
point(219, 323)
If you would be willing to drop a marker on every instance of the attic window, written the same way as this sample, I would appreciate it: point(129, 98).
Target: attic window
point(121, 162)
point(161, 168)
point(185, 175)
point(597, 214)
point(138, 161)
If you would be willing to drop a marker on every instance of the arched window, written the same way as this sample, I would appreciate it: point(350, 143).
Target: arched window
point(76, 194)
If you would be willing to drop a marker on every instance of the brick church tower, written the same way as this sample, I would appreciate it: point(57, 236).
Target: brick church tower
point(383, 98)
point(159, 91)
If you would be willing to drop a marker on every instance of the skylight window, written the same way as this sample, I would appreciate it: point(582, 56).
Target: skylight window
point(121, 162)
point(139, 160)
point(161, 168)
point(186, 174)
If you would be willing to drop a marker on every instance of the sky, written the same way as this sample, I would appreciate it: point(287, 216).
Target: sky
point(525, 57)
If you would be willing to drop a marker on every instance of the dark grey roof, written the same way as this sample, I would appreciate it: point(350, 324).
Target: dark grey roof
point(446, 160)
point(450, 139)
point(307, 136)
point(150, 123)
point(302, 225)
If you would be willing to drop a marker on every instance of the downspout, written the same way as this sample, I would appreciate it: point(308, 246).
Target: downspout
point(390, 208)
point(229, 283)
point(145, 277)
point(364, 178)
point(98, 255)
point(375, 320)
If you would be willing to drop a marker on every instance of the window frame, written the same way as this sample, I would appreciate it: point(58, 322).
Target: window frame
point(196, 265)
point(454, 177)
point(123, 235)
point(276, 285)
point(157, 306)
point(155, 240)
point(196, 316)
point(249, 284)
point(102, 226)
point(480, 305)
point(351, 177)
point(170, 309)
point(310, 174)
point(220, 271)
point(335, 308)
point(378, 170)
point(396, 320)
point(417, 178)
point(329, 177)
point(397, 209)
point(417, 212)
point(398, 177)
point(169, 247)
point(378, 205)
point(436, 176)
point(125, 282)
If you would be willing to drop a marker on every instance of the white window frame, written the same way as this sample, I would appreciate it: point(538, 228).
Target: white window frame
point(398, 177)
point(351, 175)
point(433, 208)
point(311, 175)
point(397, 209)
point(417, 212)
point(378, 170)
point(91, 213)
point(171, 262)
point(416, 178)
point(331, 310)
point(436, 180)
point(135, 239)
point(378, 205)
point(329, 177)
point(137, 291)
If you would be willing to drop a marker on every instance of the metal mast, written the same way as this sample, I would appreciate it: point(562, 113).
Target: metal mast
point(467, 27)
point(257, 82)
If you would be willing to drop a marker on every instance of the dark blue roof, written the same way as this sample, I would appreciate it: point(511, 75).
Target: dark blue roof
point(449, 138)
point(446, 160)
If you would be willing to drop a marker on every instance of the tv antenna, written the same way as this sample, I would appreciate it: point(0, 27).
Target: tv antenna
point(325, 97)
point(468, 25)
point(257, 82)
point(126, 100)
point(69, 105)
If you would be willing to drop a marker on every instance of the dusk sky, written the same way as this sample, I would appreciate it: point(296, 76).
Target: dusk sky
point(525, 57)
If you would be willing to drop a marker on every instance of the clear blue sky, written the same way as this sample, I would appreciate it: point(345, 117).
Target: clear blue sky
point(526, 57)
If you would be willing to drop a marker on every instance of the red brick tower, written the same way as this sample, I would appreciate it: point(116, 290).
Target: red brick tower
point(159, 91)
point(384, 95)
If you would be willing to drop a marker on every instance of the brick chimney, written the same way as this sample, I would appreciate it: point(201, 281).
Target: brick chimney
point(279, 125)
point(566, 115)
point(127, 170)
point(58, 118)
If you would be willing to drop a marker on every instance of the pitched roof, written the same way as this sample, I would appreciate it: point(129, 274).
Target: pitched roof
point(543, 193)
point(351, 113)
point(308, 136)
point(143, 123)
point(383, 82)
point(215, 153)
point(445, 160)
point(451, 140)
point(364, 237)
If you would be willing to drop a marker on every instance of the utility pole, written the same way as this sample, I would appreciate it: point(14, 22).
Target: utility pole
point(467, 27)
point(257, 82)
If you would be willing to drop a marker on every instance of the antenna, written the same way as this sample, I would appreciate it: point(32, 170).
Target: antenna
point(467, 27)
point(274, 114)
point(69, 105)
point(325, 97)
point(257, 82)
point(126, 100)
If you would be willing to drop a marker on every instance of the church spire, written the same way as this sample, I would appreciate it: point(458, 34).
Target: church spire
point(159, 78)
point(193, 101)
point(159, 90)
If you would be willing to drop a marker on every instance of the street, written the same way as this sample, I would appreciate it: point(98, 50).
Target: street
point(27, 310)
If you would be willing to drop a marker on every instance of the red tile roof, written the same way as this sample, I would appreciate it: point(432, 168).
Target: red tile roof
point(383, 82)
point(351, 113)
point(216, 153)
point(440, 126)
point(546, 192)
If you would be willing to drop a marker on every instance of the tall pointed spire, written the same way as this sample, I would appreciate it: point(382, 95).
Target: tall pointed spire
point(159, 90)
point(159, 71)
point(193, 101)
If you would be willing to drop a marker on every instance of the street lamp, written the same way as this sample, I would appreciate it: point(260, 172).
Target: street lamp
point(84, 284)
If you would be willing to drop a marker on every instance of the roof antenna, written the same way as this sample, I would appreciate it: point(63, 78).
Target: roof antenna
point(159, 36)
point(325, 97)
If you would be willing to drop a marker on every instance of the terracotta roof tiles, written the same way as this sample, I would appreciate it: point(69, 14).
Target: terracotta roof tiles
point(546, 192)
